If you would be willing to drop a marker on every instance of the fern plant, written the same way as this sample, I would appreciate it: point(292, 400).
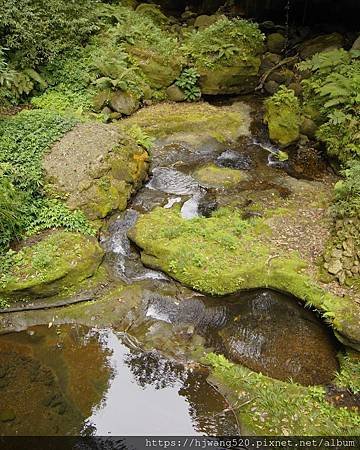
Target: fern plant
point(188, 83)
point(333, 89)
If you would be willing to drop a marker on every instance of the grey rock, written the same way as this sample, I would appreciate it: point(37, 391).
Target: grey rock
point(124, 103)
point(335, 266)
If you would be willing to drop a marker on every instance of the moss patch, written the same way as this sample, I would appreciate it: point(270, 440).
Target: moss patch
point(59, 260)
point(283, 117)
point(225, 123)
point(214, 176)
point(224, 253)
point(266, 406)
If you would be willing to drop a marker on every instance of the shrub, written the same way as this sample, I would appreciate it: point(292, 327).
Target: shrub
point(11, 211)
point(188, 81)
point(24, 139)
point(333, 89)
point(36, 31)
point(223, 42)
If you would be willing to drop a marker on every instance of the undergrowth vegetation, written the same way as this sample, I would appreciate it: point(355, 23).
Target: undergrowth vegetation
point(223, 42)
point(23, 141)
point(274, 407)
point(333, 90)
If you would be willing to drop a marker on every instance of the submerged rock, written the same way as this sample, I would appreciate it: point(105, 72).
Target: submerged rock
point(95, 168)
point(57, 261)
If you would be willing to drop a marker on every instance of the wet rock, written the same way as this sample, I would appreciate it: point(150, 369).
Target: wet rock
point(208, 203)
point(334, 266)
point(96, 168)
point(7, 415)
point(275, 42)
point(124, 103)
point(175, 94)
point(271, 87)
point(235, 160)
point(321, 44)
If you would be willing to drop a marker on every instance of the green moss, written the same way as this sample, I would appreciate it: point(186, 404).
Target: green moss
point(224, 253)
point(61, 259)
point(224, 43)
point(265, 406)
point(349, 375)
point(225, 123)
point(283, 117)
point(214, 176)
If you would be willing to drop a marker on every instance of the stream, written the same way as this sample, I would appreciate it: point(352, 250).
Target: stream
point(76, 379)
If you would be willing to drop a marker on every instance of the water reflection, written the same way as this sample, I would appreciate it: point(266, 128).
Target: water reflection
point(72, 380)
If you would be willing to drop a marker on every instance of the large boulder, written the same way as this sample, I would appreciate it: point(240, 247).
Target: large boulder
point(95, 168)
point(56, 261)
point(159, 72)
point(239, 78)
point(320, 44)
point(226, 55)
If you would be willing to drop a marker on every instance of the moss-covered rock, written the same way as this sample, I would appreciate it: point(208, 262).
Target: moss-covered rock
point(226, 55)
point(224, 253)
point(58, 260)
point(283, 117)
point(159, 71)
point(215, 176)
point(199, 119)
point(276, 42)
point(95, 168)
point(276, 408)
point(240, 78)
point(320, 44)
